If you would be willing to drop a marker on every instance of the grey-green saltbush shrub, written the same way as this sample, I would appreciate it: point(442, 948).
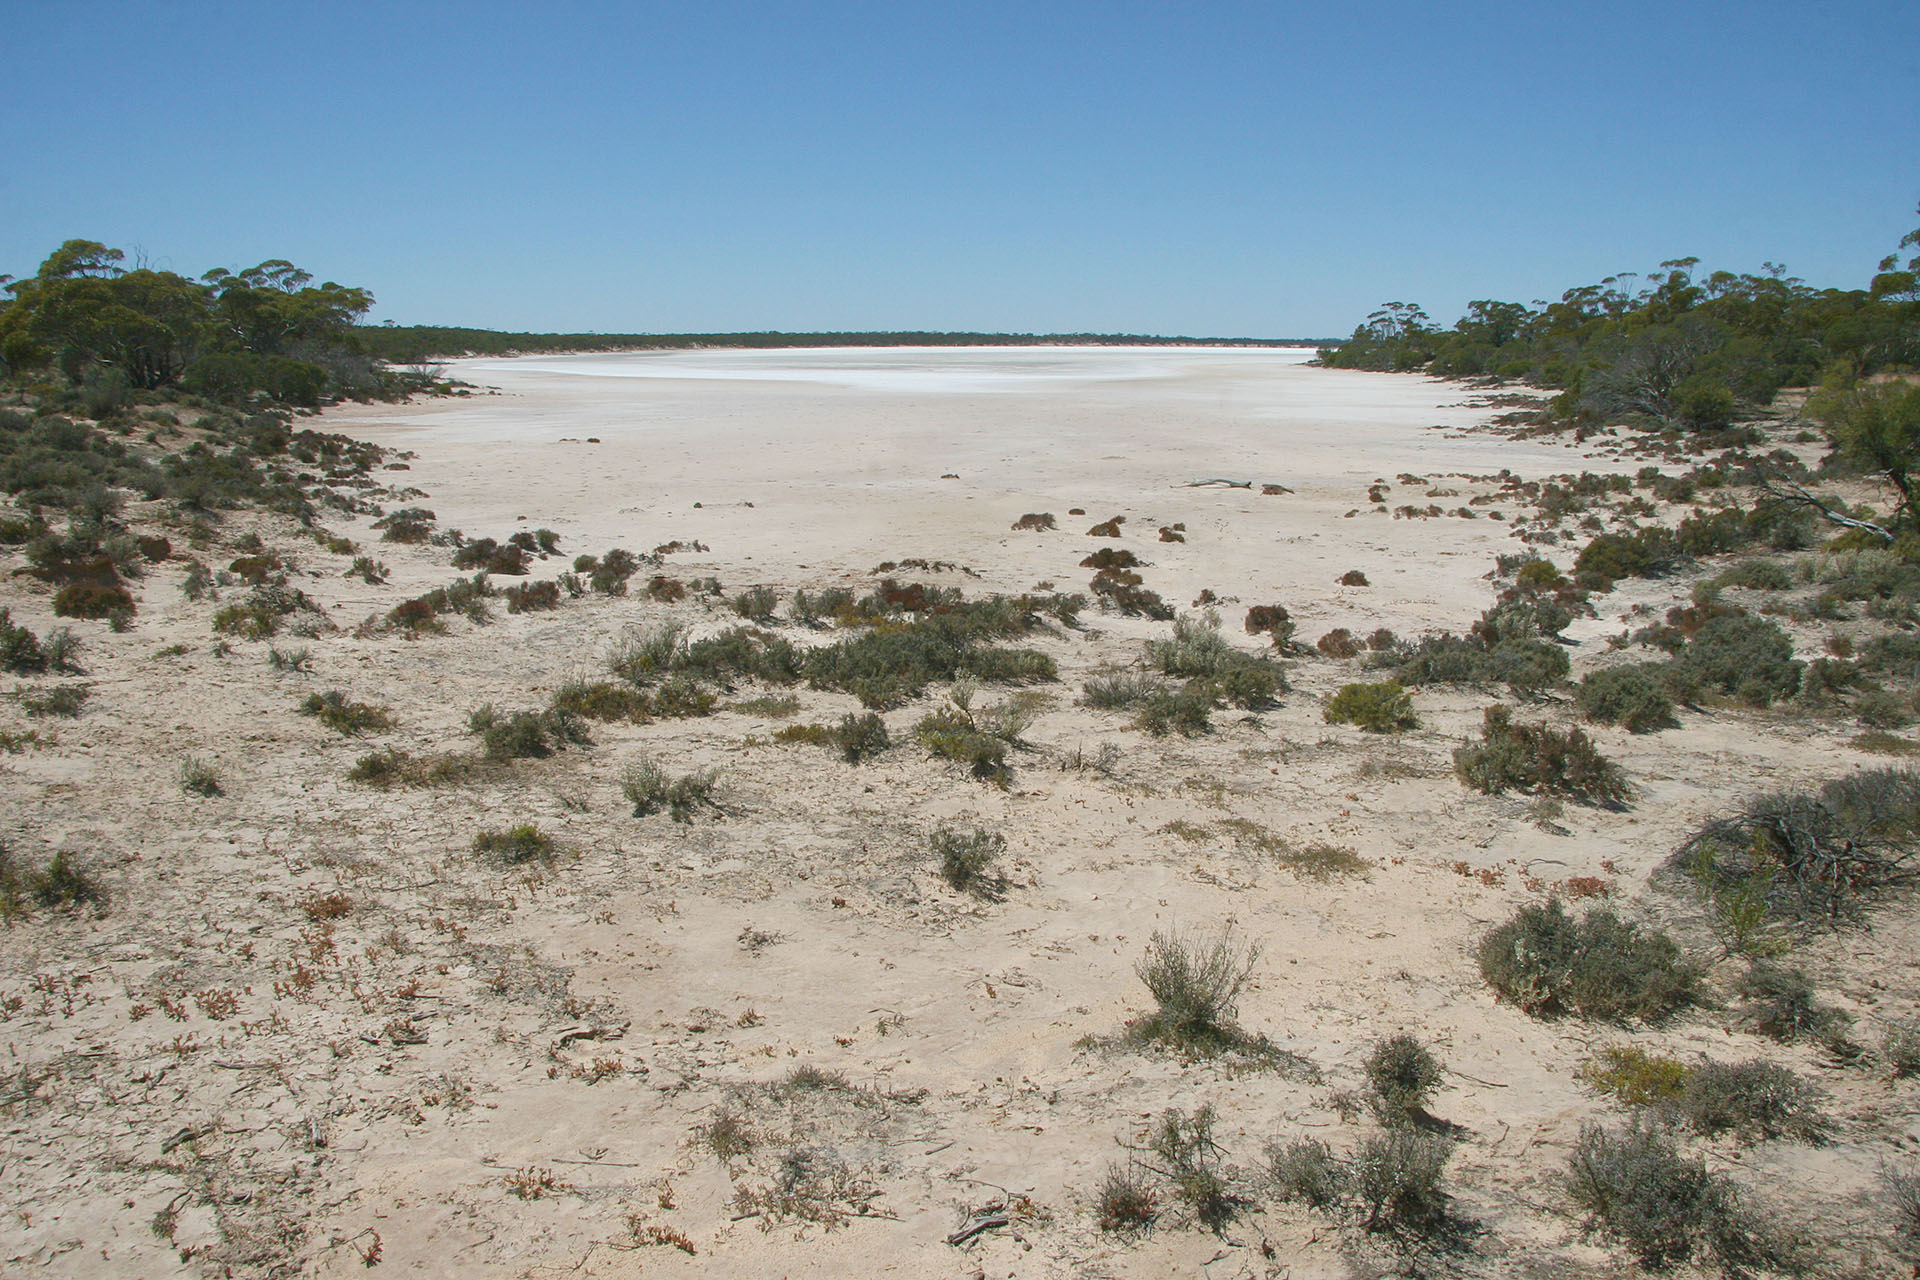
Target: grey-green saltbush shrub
point(1119, 691)
point(1195, 983)
point(1754, 1099)
point(966, 859)
point(1638, 1188)
point(1512, 756)
point(1381, 707)
point(1781, 1005)
point(1524, 665)
point(525, 735)
point(1634, 697)
point(524, 843)
point(198, 777)
point(1402, 1074)
point(1742, 655)
point(650, 789)
point(1811, 857)
point(1599, 966)
point(334, 710)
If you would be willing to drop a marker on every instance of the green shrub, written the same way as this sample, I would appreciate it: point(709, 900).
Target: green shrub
point(861, 737)
point(1810, 857)
point(1633, 697)
point(1195, 983)
point(1525, 665)
point(1383, 707)
point(1666, 1208)
point(1755, 1100)
point(1185, 709)
point(603, 700)
point(1119, 691)
point(64, 700)
point(966, 859)
point(20, 649)
point(952, 733)
point(1307, 1171)
point(91, 600)
point(1540, 759)
point(525, 735)
point(198, 778)
point(1742, 655)
point(1401, 1074)
point(757, 604)
point(524, 843)
point(1188, 1157)
point(1395, 1183)
point(1635, 1076)
point(650, 789)
point(1781, 1006)
point(333, 710)
point(1600, 966)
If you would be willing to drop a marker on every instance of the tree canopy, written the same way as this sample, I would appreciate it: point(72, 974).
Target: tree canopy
point(266, 329)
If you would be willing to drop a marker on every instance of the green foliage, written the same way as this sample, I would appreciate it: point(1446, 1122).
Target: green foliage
point(1812, 858)
point(651, 789)
point(1599, 966)
point(1742, 655)
point(1524, 665)
point(333, 710)
point(966, 859)
point(1634, 697)
point(1540, 759)
point(1195, 983)
point(516, 845)
point(1189, 1159)
point(1635, 1076)
point(197, 777)
point(1876, 427)
point(1125, 1200)
point(525, 735)
point(1383, 707)
point(65, 700)
point(20, 650)
point(1401, 1074)
point(1637, 1188)
point(1781, 1005)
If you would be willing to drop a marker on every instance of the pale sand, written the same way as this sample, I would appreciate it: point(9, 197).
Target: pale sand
point(317, 1127)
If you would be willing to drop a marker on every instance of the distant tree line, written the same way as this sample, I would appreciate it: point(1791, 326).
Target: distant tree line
point(416, 344)
point(1670, 349)
point(265, 332)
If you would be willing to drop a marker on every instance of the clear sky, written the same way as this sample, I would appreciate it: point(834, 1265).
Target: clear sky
point(1223, 169)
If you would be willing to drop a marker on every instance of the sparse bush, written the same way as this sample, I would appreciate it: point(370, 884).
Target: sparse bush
point(1183, 709)
point(58, 884)
point(1394, 1181)
point(289, 659)
point(1354, 578)
point(333, 710)
point(1035, 522)
point(651, 790)
point(1754, 1099)
point(1119, 691)
point(388, 767)
point(953, 734)
point(1813, 858)
point(1124, 1200)
point(198, 778)
point(1781, 1005)
point(1600, 966)
point(1107, 528)
point(1900, 1050)
point(1384, 707)
point(1189, 1159)
point(1633, 697)
point(966, 859)
point(524, 843)
point(65, 700)
point(1306, 1170)
point(1637, 1188)
point(1401, 1074)
point(1195, 983)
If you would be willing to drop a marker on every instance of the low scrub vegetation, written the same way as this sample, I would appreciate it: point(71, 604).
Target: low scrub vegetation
point(1637, 698)
point(336, 712)
point(967, 859)
point(1382, 707)
point(1597, 966)
point(1512, 756)
point(515, 845)
point(650, 789)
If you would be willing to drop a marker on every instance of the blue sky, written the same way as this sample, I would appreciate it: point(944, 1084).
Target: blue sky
point(1224, 169)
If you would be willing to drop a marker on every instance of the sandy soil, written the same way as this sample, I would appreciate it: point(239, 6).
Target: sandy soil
point(315, 1033)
